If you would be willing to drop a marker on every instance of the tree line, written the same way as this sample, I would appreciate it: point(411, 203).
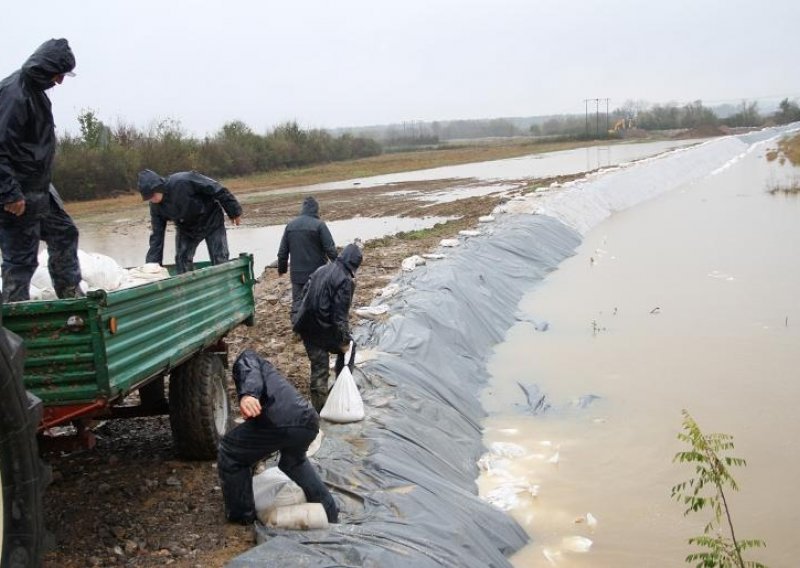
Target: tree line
point(662, 117)
point(102, 161)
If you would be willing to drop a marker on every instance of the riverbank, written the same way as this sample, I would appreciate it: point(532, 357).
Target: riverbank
point(130, 501)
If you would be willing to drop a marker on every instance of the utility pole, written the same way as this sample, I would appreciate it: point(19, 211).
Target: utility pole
point(586, 102)
point(596, 101)
point(597, 118)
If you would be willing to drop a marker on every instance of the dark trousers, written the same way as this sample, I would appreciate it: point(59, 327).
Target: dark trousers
point(19, 241)
point(320, 372)
point(297, 299)
point(186, 246)
point(254, 440)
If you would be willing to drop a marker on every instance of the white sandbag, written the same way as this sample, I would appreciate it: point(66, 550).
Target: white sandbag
point(36, 293)
point(41, 276)
point(344, 402)
point(97, 270)
point(307, 516)
point(272, 489)
point(100, 272)
point(43, 294)
point(316, 444)
point(389, 291)
point(372, 312)
point(469, 233)
point(449, 242)
point(412, 262)
point(149, 271)
point(145, 274)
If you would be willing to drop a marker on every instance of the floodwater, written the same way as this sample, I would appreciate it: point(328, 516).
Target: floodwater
point(129, 248)
point(549, 164)
point(688, 301)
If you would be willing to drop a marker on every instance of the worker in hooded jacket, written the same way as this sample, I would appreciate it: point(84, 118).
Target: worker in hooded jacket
point(309, 242)
point(32, 209)
point(277, 419)
point(323, 319)
point(196, 204)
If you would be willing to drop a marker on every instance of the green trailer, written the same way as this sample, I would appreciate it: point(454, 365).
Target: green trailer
point(86, 357)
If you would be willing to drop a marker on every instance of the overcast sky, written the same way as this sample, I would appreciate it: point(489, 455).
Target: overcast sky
point(330, 63)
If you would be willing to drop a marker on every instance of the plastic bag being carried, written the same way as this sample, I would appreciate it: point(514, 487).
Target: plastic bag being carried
point(344, 402)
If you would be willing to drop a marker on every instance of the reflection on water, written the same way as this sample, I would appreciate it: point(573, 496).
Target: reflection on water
point(525, 167)
point(688, 301)
point(130, 248)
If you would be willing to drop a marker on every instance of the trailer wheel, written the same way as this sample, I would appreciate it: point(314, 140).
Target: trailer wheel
point(199, 408)
point(21, 473)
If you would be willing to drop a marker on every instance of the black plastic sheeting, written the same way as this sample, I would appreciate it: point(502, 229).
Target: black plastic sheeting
point(406, 476)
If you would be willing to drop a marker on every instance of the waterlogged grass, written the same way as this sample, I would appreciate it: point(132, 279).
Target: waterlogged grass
point(788, 149)
point(792, 188)
point(353, 169)
point(439, 230)
point(399, 162)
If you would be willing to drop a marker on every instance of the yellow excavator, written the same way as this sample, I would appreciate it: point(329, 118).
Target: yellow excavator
point(620, 125)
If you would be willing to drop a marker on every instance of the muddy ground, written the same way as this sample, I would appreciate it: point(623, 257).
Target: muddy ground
point(130, 501)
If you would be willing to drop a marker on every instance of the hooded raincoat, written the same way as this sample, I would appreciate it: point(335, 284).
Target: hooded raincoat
point(27, 130)
point(27, 150)
point(287, 424)
point(323, 318)
point(195, 203)
point(308, 240)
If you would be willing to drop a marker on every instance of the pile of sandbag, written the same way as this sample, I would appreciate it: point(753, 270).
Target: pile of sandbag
point(99, 272)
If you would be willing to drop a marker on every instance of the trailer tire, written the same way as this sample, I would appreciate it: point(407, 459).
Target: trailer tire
point(199, 407)
point(22, 476)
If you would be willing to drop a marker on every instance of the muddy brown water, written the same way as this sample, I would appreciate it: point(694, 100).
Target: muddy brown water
point(689, 301)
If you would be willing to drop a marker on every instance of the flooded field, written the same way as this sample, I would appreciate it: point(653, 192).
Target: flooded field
point(689, 301)
point(525, 167)
point(129, 249)
point(124, 236)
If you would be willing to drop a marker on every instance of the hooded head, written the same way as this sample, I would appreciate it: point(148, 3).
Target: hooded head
point(310, 207)
point(351, 257)
point(54, 57)
point(149, 183)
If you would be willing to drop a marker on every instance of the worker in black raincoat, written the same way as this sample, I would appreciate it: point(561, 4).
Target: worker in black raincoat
point(323, 318)
point(195, 203)
point(277, 419)
point(309, 242)
point(32, 209)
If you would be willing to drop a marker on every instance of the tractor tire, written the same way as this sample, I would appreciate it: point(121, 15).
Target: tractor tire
point(199, 407)
point(22, 475)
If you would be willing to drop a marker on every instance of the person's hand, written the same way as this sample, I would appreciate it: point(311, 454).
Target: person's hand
point(250, 406)
point(344, 348)
point(236, 220)
point(16, 208)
